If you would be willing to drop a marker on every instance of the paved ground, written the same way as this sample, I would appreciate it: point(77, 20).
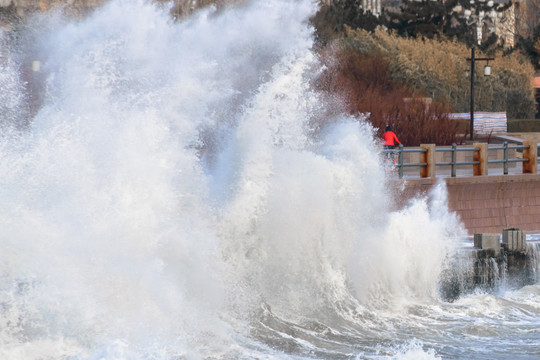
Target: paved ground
point(526, 136)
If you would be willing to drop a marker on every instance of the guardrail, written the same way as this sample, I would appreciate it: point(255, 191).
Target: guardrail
point(479, 161)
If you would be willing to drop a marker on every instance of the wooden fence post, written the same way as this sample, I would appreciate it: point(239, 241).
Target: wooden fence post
point(427, 157)
point(482, 157)
point(529, 167)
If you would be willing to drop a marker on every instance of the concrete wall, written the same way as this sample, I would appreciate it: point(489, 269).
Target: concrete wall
point(488, 204)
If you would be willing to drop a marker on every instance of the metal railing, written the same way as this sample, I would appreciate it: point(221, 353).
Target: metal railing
point(400, 164)
point(453, 163)
point(505, 160)
point(390, 154)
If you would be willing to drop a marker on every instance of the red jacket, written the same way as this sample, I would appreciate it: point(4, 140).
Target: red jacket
point(390, 138)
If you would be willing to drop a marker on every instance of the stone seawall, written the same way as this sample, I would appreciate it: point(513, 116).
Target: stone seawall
point(488, 204)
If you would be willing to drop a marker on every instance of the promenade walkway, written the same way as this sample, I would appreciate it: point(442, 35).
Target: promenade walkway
point(486, 200)
point(509, 154)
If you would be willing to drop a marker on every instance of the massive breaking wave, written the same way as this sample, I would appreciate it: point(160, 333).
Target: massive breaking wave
point(177, 193)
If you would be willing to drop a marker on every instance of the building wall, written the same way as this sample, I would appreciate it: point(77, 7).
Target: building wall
point(505, 26)
point(372, 5)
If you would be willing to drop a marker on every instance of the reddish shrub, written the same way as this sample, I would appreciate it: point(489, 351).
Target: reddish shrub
point(364, 82)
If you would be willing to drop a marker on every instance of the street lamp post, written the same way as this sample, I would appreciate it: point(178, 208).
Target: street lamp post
point(487, 72)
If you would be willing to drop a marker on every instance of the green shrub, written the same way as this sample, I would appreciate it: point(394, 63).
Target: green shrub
point(523, 125)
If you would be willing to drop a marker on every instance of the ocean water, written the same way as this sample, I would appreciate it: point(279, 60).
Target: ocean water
point(180, 190)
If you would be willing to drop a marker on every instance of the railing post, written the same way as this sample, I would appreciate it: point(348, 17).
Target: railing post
point(400, 161)
point(482, 157)
point(530, 153)
point(427, 157)
point(454, 159)
point(505, 157)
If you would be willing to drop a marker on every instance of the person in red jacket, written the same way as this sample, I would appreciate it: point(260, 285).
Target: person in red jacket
point(390, 141)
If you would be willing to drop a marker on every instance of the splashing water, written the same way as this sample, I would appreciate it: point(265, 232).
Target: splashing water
point(177, 195)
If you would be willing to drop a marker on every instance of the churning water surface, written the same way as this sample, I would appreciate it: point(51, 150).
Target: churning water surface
point(180, 190)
